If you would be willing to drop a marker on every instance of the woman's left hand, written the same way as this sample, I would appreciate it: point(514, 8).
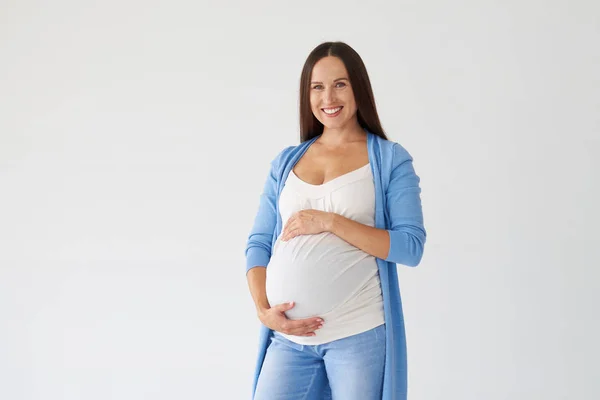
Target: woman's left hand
point(307, 222)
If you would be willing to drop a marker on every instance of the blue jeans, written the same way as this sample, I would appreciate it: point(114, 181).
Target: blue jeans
point(350, 368)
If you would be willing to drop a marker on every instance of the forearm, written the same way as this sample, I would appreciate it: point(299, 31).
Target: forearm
point(373, 241)
point(257, 278)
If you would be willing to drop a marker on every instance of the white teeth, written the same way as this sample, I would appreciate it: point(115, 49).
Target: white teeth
point(332, 111)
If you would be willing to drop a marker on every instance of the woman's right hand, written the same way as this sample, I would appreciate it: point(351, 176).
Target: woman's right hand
point(275, 319)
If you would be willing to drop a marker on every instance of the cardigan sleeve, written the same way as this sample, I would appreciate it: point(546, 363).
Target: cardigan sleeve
point(403, 202)
point(258, 246)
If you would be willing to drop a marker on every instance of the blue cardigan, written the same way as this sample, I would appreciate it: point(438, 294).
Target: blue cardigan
point(397, 209)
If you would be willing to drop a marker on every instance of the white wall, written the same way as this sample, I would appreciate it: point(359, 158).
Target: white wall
point(135, 137)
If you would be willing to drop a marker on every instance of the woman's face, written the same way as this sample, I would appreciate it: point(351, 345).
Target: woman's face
point(330, 90)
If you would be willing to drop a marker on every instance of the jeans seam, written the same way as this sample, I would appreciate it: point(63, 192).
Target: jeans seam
point(312, 379)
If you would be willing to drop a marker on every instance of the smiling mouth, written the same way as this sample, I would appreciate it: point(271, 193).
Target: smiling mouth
point(332, 111)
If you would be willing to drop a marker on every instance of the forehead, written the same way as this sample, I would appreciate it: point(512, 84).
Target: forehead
point(328, 69)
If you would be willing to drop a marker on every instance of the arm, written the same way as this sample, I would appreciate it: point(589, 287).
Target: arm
point(258, 246)
point(373, 241)
point(257, 278)
point(403, 242)
point(407, 232)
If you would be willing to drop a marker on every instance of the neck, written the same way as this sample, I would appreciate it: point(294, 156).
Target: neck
point(351, 132)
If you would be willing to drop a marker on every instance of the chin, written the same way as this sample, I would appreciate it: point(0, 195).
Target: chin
point(332, 124)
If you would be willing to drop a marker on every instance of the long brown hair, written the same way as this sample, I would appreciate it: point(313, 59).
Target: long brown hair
point(367, 116)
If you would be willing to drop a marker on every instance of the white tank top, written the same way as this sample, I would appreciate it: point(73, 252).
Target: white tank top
point(323, 274)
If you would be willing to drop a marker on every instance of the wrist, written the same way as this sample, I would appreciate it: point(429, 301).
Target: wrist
point(261, 309)
point(331, 222)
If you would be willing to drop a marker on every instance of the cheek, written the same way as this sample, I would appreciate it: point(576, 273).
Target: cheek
point(315, 108)
point(350, 105)
point(349, 99)
point(313, 102)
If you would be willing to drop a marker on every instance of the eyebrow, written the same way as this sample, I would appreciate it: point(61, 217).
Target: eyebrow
point(338, 79)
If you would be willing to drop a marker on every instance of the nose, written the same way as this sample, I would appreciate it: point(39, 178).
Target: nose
point(328, 95)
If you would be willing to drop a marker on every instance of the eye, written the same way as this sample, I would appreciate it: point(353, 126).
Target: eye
point(339, 85)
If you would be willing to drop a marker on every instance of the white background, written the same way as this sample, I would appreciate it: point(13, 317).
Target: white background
point(135, 138)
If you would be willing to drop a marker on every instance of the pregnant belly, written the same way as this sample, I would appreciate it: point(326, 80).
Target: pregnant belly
point(318, 272)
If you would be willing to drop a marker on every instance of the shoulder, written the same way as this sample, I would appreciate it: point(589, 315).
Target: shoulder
point(393, 153)
point(399, 154)
point(283, 156)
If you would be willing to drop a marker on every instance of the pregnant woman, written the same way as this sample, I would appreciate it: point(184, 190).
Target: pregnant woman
point(337, 213)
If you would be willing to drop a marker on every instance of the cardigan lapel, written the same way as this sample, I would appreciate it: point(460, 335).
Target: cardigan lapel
point(302, 147)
